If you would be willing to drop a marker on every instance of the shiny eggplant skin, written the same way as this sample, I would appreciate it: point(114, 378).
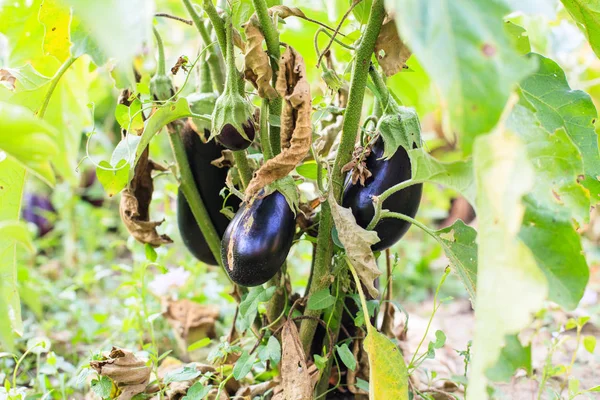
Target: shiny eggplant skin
point(209, 181)
point(385, 174)
point(258, 240)
point(231, 139)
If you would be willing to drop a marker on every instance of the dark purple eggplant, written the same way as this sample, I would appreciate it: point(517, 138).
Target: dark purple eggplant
point(385, 174)
point(231, 139)
point(258, 240)
point(35, 209)
point(209, 181)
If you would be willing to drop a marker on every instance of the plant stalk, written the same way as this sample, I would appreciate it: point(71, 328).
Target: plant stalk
point(160, 66)
point(241, 161)
point(188, 187)
point(271, 35)
point(217, 23)
point(214, 58)
point(360, 71)
point(53, 83)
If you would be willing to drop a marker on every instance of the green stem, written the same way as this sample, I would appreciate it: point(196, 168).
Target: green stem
point(217, 23)
point(53, 83)
point(204, 76)
point(264, 130)
point(384, 196)
point(232, 77)
point(349, 133)
point(271, 35)
point(214, 57)
point(382, 93)
point(241, 161)
point(188, 187)
point(336, 319)
point(160, 66)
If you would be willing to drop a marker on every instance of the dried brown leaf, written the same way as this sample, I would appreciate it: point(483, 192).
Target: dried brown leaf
point(257, 67)
point(185, 315)
point(284, 11)
point(296, 126)
point(128, 372)
point(7, 79)
point(225, 161)
point(296, 380)
point(357, 242)
point(135, 204)
point(390, 50)
point(362, 367)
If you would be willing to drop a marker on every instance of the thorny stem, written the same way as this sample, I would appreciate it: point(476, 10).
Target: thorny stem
point(269, 30)
point(349, 133)
point(264, 130)
point(214, 57)
point(217, 23)
point(241, 162)
point(188, 187)
point(53, 83)
point(160, 66)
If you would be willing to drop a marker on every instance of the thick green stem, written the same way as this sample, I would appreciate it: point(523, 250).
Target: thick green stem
point(55, 79)
point(241, 161)
point(204, 77)
point(188, 187)
point(264, 130)
point(382, 93)
point(352, 115)
point(160, 66)
point(217, 23)
point(336, 322)
point(271, 34)
point(232, 78)
point(214, 57)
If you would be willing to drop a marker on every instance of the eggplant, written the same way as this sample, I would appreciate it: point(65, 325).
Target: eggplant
point(258, 240)
point(385, 174)
point(231, 138)
point(36, 209)
point(209, 181)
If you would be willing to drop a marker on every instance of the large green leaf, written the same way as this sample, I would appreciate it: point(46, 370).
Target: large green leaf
point(556, 106)
point(513, 356)
point(510, 286)
point(457, 175)
point(12, 180)
point(28, 139)
point(463, 46)
point(458, 242)
point(587, 15)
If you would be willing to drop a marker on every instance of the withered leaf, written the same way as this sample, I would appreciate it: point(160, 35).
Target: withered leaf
point(128, 372)
point(135, 204)
point(7, 79)
point(358, 165)
point(185, 315)
point(296, 380)
point(357, 242)
point(284, 11)
point(390, 50)
point(225, 161)
point(362, 370)
point(296, 126)
point(257, 68)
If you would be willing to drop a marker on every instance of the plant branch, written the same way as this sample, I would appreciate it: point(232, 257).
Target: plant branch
point(214, 58)
point(241, 162)
point(53, 83)
point(264, 130)
point(176, 18)
point(349, 133)
point(337, 29)
point(217, 23)
point(378, 202)
point(382, 93)
point(160, 65)
point(188, 187)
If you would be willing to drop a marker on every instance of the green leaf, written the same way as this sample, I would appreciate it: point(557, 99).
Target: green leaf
point(402, 129)
point(16, 231)
point(243, 365)
point(125, 150)
point(197, 392)
point(586, 14)
point(320, 362)
point(163, 116)
point(362, 384)
point(518, 36)
point(510, 286)
point(456, 175)
point(102, 387)
point(388, 376)
point(556, 105)
point(589, 343)
point(130, 118)
point(274, 350)
point(187, 373)
point(346, 356)
point(12, 181)
point(108, 23)
point(249, 304)
point(150, 253)
point(199, 344)
point(321, 300)
point(84, 43)
point(31, 141)
point(459, 243)
point(480, 66)
point(28, 79)
point(513, 356)
point(113, 179)
point(309, 170)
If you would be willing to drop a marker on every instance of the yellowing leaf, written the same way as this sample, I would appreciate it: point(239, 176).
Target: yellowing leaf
point(357, 242)
point(257, 67)
point(388, 376)
point(56, 19)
